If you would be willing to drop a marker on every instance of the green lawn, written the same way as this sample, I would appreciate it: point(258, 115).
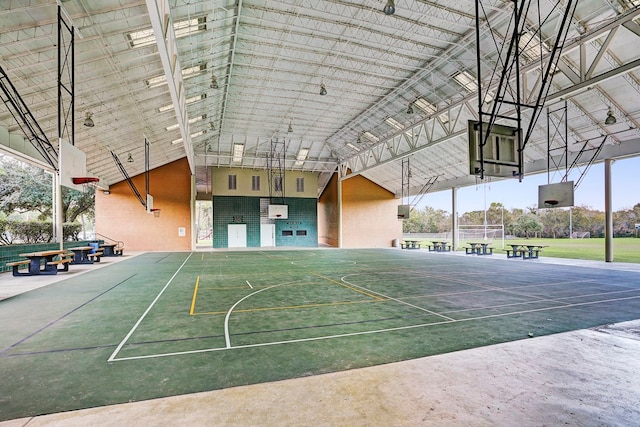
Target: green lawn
point(625, 249)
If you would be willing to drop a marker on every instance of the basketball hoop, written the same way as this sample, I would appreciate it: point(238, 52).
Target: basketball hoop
point(86, 182)
point(155, 212)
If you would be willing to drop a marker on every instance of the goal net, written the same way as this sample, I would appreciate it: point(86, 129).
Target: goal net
point(480, 232)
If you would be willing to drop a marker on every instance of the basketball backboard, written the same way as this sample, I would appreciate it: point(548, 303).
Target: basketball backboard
point(559, 195)
point(404, 211)
point(278, 211)
point(500, 154)
point(73, 164)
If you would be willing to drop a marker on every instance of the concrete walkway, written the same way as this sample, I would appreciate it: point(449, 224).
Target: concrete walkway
point(581, 378)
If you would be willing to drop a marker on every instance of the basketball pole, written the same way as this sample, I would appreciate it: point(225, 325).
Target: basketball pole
point(57, 204)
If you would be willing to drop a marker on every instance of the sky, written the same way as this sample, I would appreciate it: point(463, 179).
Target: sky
point(514, 194)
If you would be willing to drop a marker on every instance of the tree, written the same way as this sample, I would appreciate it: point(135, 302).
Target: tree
point(555, 222)
point(24, 188)
point(527, 224)
point(428, 220)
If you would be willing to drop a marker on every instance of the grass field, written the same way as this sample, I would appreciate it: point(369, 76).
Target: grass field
point(626, 249)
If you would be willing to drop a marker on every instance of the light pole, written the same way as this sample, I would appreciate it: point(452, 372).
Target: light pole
point(570, 222)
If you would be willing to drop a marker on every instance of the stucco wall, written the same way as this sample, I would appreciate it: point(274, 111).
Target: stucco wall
point(121, 216)
point(328, 214)
point(369, 214)
point(220, 183)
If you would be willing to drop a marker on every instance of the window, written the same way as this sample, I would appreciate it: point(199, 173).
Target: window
point(146, 37)
point(255, 183)
point(300, 185)
point(466, 80)
point(277, 183)
point(232, 182)
point(287, 232)
point(301, 232)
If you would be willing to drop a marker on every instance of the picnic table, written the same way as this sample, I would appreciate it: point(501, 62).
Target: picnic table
point(81, 254)
point(479, 248)
point(439, 246)
point(524, 250)
point(410, 244)
point(110, 249)
point(41, 262)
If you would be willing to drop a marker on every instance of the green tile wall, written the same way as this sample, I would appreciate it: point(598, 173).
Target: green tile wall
point(303, 215)
point(236, 210)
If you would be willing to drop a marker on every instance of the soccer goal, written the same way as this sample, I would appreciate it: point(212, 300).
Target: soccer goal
point(493, 233)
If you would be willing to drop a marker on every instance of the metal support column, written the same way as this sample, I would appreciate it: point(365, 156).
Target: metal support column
point(454, 219)
point(608, 214)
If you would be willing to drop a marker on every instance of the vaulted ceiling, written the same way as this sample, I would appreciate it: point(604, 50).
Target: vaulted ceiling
point(198, 77)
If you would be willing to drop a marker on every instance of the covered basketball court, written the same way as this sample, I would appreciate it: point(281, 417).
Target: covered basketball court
point(373, 102)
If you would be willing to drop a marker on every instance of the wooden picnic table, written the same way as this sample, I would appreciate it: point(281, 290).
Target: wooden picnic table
point(410, 244)
point(439, 246)
point(81, 254)
point(524, 250)
point(41, 262)
point(479, 248)
point(110, 249)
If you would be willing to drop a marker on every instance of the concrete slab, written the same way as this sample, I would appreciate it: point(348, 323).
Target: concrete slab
point(586, 378)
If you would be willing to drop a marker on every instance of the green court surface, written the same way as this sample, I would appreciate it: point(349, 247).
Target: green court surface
point(162, 324)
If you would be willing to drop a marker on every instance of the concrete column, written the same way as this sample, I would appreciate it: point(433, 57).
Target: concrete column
point(454, 219)
point(608, 214)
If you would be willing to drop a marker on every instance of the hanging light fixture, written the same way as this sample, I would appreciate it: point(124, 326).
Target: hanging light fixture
point(611, 119)
point(214, 82)
point(323, 90)
point(88, 121)
point(130, 158)
point(290, 128)
point(410, 108)
point(389, 8)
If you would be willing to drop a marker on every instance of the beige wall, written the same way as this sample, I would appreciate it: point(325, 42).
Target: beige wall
point(328, 214)
point(121, 216)
point(369, 214)
point(220, 183)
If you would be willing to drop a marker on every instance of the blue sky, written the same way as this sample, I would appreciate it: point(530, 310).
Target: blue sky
point(514, 194)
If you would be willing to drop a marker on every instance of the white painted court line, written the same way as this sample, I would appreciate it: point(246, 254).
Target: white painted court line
point(249, 284)
point(227, 340)
point(395, 299)
point(135, 326)
point(352, 334)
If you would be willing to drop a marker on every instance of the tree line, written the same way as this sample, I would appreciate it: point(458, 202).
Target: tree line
point(529, 222)
point(26, 204)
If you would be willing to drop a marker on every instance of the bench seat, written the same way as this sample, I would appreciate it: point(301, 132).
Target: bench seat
point(18, 263)
point(64, 261)
point(16, 266)
point(96, 255)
